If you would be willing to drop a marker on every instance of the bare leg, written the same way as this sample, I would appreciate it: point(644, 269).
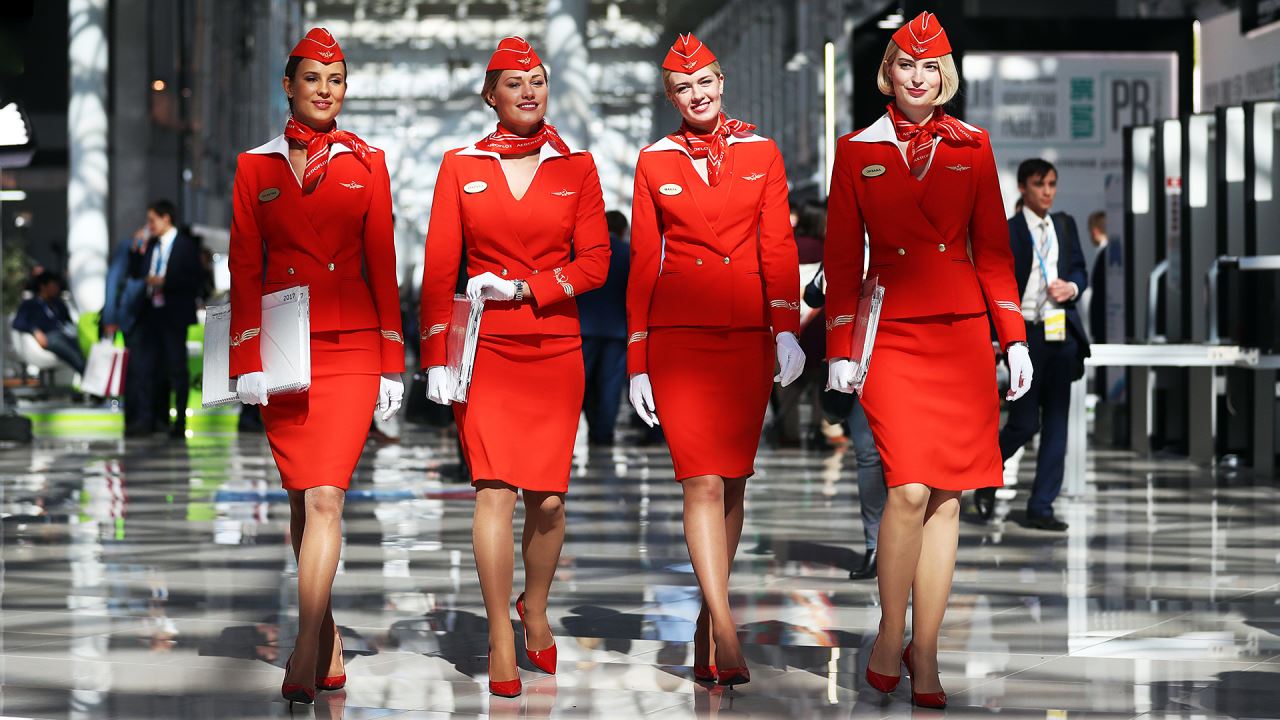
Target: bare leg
point(932, 585)
point(318, 553)
point(495, 562)
point(328, 656)
point(540, 546)
point(898, 547)
point(706, 535)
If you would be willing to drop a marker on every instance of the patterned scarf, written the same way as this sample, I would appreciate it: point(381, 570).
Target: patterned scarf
point(505, 142)
point(713, 146)
point(318, 145)
point(919, 138)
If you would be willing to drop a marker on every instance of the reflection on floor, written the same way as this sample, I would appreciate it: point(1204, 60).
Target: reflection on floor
point(154, 579)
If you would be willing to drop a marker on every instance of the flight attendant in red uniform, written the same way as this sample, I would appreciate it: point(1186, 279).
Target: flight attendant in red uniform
point(922, 184)
point(713, 297)
point(311, 208)
point(529, 215)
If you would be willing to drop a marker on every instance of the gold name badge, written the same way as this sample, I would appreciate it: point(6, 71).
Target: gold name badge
point(268, 195)
point(671, 189)
point(873, 171)
point(474, 187)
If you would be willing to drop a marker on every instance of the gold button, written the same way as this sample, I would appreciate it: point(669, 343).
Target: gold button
point(290, 271)
point(331, 266)
point(698, 261)
point(504, 272)
point(902, 251)
point(942, 248)
point(726, 261)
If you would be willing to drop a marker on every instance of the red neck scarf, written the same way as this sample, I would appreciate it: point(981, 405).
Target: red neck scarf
point(919, 138)
point(505, 142)
point(712, 146)
point(318, 145)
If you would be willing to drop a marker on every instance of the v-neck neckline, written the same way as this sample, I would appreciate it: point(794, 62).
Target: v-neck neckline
point(506, 180)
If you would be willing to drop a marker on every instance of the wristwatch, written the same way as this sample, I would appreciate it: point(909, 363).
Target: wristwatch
point(519, 291)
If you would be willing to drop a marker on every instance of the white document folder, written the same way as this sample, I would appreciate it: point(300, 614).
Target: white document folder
point(864, 329)
point(285, 346)
point(461, 343)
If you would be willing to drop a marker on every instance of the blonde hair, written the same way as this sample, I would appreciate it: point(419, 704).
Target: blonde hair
point(492, 77)
point(714, 67)
point(948, 88)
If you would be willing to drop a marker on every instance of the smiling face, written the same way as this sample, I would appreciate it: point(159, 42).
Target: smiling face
point(697, 96)
point(520, 99)
point(916, 83)
point(316, 91)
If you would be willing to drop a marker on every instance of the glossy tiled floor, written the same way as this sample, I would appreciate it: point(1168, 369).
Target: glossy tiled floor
point(153, 579)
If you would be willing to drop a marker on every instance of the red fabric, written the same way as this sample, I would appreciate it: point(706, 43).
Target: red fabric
point(521, 414)
point(682, 233)
point(318, 145)
point(505, 142)
point(932, 402)
point(923, 37)
point(711, 415)
point(282, 237)
point(554, 238)
point(513, 53)
point(919, 138)
point(687, 55)
point(919, 230)
point(317, 436)
point(318, 45)
point(712, 146)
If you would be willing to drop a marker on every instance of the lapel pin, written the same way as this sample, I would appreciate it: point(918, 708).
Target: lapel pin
point(268, 195)
point(474, 187)
point(671, 189)
point(873, 171)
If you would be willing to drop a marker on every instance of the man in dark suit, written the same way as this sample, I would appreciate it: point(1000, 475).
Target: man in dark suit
point(603, 317)
point(169, 262)
point(1051, 274)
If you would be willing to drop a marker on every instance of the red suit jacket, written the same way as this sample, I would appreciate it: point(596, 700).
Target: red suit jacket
point(281, 237)
point(921, 235)
point(554, 238)
point(717, 257)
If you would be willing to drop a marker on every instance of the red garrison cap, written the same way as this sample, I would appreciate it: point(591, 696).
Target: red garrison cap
point(923, 37)
point(688, 55)
point(318, 45)
point(513, 53)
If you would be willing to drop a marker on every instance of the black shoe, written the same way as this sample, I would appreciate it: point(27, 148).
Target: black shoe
point(178, 431)
point(868, 569)
point(984, 502)
point(1045, 522)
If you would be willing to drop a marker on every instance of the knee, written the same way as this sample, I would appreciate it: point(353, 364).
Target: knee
point(913, 498)
point(948, 509)
point(550, 507)
point(703, 489)
point(324, 503)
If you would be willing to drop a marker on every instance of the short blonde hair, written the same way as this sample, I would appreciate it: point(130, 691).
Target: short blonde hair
point(946, 68)
point(714, 66)
point(492, 77)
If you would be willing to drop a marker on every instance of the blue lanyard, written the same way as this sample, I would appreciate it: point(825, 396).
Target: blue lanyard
point(1044, 269)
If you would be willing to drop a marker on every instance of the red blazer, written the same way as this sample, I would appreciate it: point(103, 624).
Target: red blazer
point(554, 238)
point(705, 256)
point(920, 234)
point(281, 237)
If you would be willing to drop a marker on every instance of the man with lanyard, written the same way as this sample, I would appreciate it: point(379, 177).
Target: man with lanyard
point(1050, 270)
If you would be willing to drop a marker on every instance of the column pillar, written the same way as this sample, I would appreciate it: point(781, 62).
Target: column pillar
point(566, 54)
point(88, 167)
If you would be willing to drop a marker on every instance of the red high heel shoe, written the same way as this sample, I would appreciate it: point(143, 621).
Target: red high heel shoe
point(333, 682)
point(884, 683)
point(734, 676)
point(544, 660)
point(293, 692)
point(935, 700)
point(705, 673)
point(503, 688)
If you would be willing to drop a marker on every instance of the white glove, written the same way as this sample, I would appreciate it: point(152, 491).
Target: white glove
point(490, 287)
point(790, 359)
point(438, 385)
point(1020, 371)
point(390, 394)
point(251, 388)
point(642, 399)
point(840, 375)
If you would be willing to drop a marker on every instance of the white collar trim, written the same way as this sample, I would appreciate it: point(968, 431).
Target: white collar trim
point(882, 131)
point(280, 146)
point(546, 152)
point(667, 144)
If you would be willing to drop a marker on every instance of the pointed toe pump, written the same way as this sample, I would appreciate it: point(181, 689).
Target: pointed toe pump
point(544, 660)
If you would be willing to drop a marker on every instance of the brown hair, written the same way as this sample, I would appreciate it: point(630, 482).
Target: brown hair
point(666, 75)
point(492, 77)
point(948, 88)
point(1098, 221)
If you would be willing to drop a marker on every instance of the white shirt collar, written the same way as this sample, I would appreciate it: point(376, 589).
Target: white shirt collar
point(667, 144)
point(1034, 221)
point(280, 146)
point(167, 237)
point(546, 152)
point(882, 131)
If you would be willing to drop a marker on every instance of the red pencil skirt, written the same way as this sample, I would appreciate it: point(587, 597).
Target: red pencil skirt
point(317, 436)
point(932, 402)
point(521, 416)
point(711, 388)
